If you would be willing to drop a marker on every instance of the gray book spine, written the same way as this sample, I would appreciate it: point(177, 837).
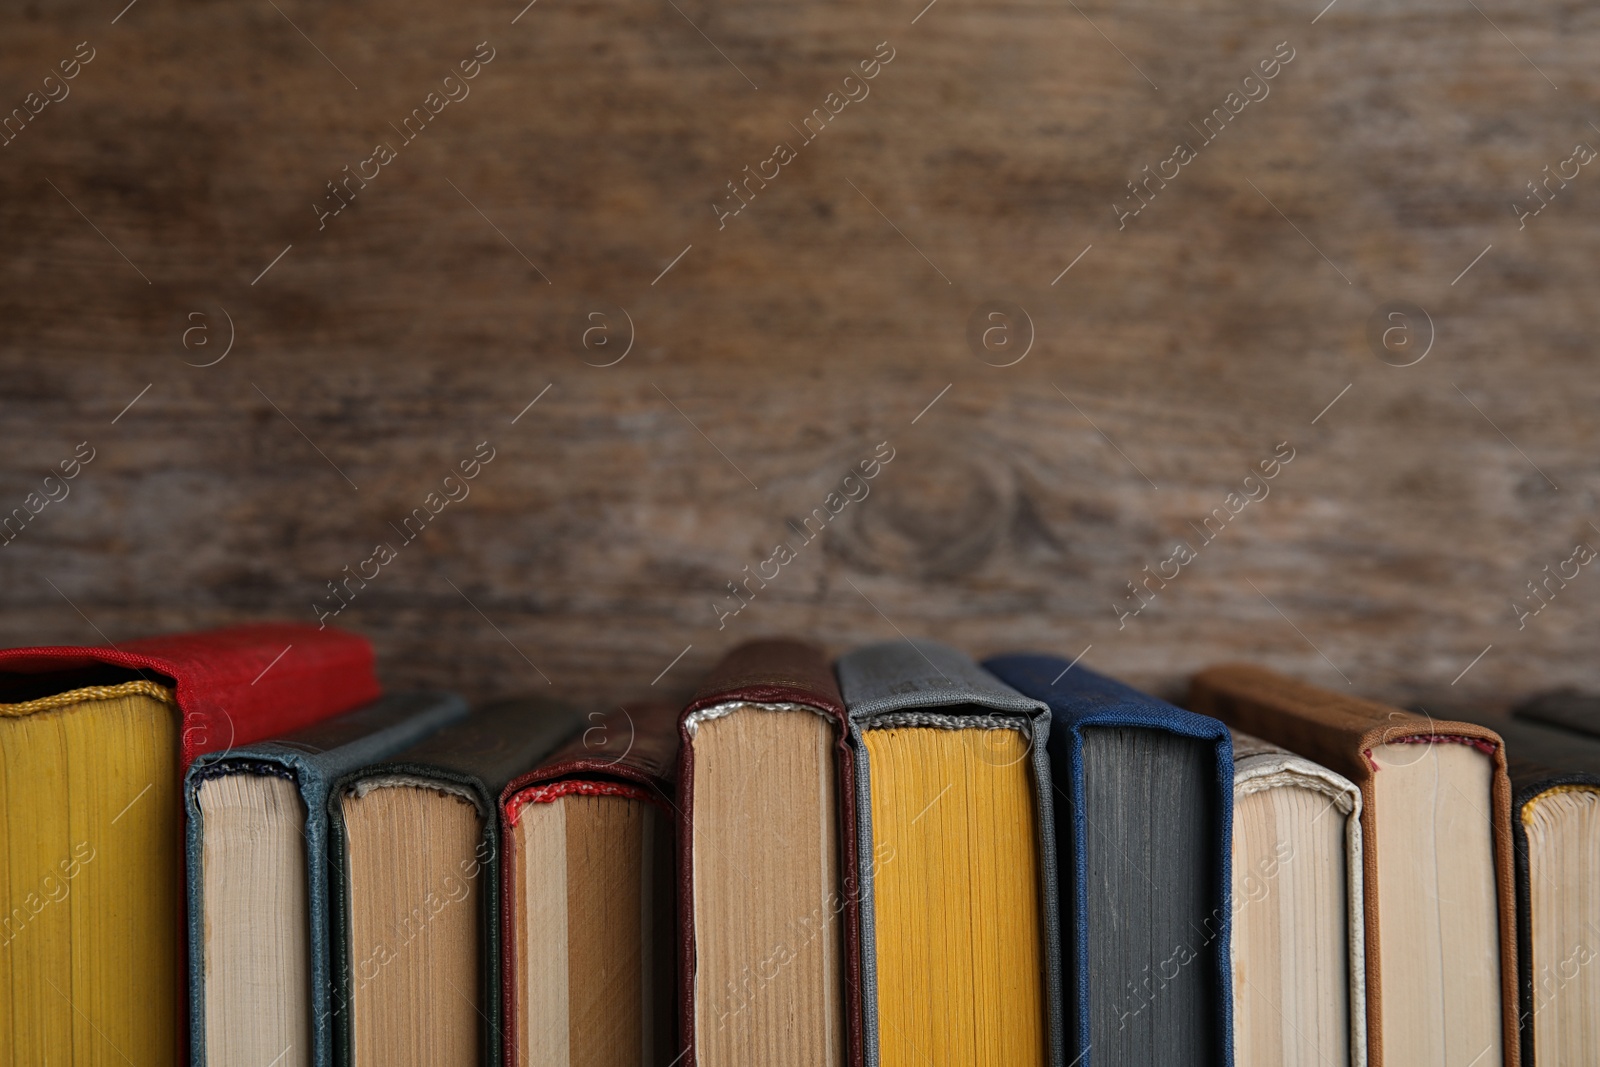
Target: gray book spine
point(922, 683)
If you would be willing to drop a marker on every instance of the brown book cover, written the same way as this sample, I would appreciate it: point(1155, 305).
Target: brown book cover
point(1341, 732)
point(630, 755)
point(777, 675)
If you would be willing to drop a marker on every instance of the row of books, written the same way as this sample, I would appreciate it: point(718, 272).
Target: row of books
point(230, 847)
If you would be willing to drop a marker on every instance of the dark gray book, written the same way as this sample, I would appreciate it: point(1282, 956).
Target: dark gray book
point(1565, 709)
point(1144, 801)
point(1553, 757)
point(415, 850)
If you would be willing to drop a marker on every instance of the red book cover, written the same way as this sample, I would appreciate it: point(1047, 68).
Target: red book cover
point(234, 685)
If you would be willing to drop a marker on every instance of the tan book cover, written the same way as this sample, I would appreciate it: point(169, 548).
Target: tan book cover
point(1440, 898)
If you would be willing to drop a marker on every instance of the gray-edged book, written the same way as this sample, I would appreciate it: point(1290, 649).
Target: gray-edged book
point(415, 870)
point(257, 873)
point(960, 935)
point(1299, 943)
point(1144, 801)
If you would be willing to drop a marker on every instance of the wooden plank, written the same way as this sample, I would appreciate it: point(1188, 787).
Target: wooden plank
point(378, 351)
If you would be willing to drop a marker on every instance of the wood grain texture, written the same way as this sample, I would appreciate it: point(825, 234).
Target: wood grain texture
point(596, 545)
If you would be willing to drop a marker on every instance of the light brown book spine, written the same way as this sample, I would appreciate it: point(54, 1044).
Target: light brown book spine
point(1340, 732)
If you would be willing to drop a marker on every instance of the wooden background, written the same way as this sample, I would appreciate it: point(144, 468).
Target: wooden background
point(378, 352)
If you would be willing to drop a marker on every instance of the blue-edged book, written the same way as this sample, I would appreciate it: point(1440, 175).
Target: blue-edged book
point(1143, 814)
point(257, 859)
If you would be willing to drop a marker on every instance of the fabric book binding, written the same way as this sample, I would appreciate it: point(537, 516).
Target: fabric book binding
point(93, 745)
point(415, 886)
point(1298, 911)
point(1565, 709)
point(232, 686)
point(1143, 801)
point(766, 795)
point(1439, 888)
point(1553, 758)
point(587, 927)
point(941, 746)
point(310, 760)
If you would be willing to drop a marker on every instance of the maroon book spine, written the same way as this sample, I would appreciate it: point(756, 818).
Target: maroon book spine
point(773, 671)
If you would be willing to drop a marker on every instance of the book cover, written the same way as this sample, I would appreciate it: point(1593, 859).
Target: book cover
point(415, 853)
point(310, 759)
point(1298, 911)
point(587, 927)
point(93, 745)
point(1143, 798)
point(766, 781)
point(956, 859)
point(1439, 883)
point(1553, 760)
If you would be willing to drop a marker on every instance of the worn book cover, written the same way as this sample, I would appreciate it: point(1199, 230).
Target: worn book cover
point(93, 745)
point(1299, 956)
point(415, 852)
point(960, 936)
point(588, 926)
point(1439, 885)
point(766, 798)
point(257, 834)
point(1143, 800)
point(1553, 759)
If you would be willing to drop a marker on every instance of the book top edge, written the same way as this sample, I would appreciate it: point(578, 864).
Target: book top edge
point(88, 694)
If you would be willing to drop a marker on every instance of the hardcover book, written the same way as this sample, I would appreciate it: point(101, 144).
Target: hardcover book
point(1553, 758)
point(1565, 709)
point(767, 904)
point(960, 938)
point(258, 880)
point(1143, 795)
point(93, 745)
point(1439, 892)
point(1299, 960)
point(415, 869)
point(587, 928)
